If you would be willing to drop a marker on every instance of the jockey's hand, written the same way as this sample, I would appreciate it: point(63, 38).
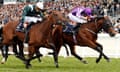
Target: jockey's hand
point(85, 18)
point(88, 18)
point(25, 24)
point(40, 19)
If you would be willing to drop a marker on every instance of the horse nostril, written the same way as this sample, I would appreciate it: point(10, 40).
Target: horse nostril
point(112, 35)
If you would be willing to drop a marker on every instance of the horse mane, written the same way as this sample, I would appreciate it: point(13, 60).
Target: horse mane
point(95, 19)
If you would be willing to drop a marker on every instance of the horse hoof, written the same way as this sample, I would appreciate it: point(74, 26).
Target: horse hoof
point(97, 61)
point(2, 62)
point(28, 66)
point(85, 62)
point(108, 60)
point(57, 66)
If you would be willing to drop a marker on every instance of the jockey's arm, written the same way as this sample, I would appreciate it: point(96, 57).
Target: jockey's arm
point(78, 14)
point(25, 12)
point(83, 17)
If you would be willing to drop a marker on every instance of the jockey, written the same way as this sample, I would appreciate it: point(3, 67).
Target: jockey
point(79, 15)
point(31, 14)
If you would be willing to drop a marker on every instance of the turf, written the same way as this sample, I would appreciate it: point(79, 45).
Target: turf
point(69, 64)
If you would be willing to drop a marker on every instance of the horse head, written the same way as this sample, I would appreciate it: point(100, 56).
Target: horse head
point(58, 17)
point(106, 25)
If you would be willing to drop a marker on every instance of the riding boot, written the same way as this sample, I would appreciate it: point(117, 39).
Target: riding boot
point(26, 35)
point(4, 50)
point(27, 31)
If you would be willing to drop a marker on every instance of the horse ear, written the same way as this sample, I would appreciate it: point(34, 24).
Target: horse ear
point(50, 12)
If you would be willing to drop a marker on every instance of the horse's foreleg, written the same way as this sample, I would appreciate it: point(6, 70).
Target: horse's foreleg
point(31, 51)
point(66, 49)
point(55, 55)
point(4, 51)
point(72, 48)
point(100, 50)
point(38, 54)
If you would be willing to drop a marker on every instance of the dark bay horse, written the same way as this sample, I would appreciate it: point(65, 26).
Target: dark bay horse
point(86, 35)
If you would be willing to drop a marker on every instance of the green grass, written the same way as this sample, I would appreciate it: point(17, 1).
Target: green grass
point(69, 64)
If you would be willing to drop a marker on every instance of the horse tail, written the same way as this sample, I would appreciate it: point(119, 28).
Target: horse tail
point(66, 49)
point(1, 32)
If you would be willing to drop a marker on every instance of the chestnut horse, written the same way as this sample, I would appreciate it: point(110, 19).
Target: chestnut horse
point(86, 35)
point(10, 36)
point(41, 36)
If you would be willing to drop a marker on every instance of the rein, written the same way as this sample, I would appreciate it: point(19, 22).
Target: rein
point(90, 31)
point(95, 27)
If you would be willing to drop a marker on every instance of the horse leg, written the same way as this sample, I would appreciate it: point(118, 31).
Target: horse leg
point(55, 58)
point(100, 49)
point(55, 54)
point(31, 51)
point(38, 54)
point(72, 48)
point(21, 51)
point(66, 49)
point(4, 50)
point(15, 50)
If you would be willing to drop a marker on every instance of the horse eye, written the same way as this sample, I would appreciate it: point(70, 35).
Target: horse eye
point(55, 14)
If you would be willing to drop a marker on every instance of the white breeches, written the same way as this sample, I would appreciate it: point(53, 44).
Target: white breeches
point(32, 19)
point(76, 19)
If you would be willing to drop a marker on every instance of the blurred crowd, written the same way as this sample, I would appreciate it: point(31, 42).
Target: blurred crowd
point(104, 7)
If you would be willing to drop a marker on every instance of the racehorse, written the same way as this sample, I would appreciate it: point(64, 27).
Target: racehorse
point(41, 36)
point(12, 37)
point(86, 35)
point(14, 47)
point(9, 38)
point(9, 35)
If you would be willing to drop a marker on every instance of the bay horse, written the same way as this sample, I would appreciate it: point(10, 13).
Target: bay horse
point(10, 36)
point(41, 36)
point(86, 35)
point(13, 38)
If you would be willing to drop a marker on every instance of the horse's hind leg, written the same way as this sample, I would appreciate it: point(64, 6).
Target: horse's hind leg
point(100, 49)
point(72, 48)
point(15, 50)
point(21, 51)
point(4, 50)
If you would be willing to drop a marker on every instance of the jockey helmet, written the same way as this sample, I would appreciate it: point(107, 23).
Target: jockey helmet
point(40, 5)
point(88, 11)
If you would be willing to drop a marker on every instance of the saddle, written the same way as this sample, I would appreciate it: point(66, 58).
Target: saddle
point(70, 29)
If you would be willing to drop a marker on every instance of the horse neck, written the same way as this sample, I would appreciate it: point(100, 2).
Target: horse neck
point(95, 25)
point(45, 27)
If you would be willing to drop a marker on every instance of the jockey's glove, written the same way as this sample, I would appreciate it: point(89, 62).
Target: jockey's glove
point(40, 19)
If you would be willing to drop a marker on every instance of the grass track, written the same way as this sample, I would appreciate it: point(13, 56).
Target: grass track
point(69, 64)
